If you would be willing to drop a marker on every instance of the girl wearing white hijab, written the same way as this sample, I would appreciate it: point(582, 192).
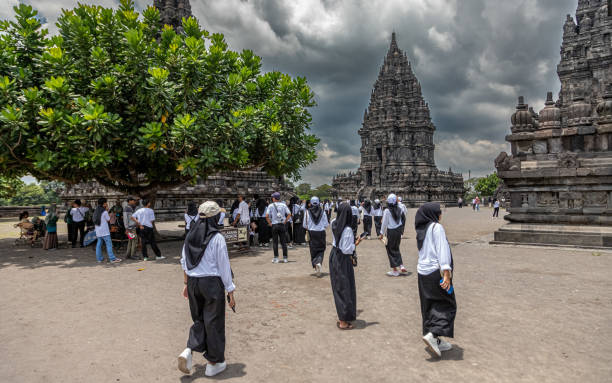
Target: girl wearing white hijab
point(392, 226)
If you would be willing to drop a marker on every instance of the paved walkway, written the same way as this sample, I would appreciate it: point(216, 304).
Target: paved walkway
point(524, 315)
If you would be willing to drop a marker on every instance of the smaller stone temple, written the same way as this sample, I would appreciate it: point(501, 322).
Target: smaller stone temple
point(559, 173)
point(397, 148)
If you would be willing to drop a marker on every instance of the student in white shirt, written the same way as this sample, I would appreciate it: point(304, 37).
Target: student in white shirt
point(392, 226)
point(377, 212)
point(78, 213)
point(366, 210)
point(191, 215)
point(355, 221)
point(101, 219)
point(436, 292)
point(207, 276)
point(144, 218)
point(243, 217)
point(315, 221)
point(341, 271)
point(278, 215)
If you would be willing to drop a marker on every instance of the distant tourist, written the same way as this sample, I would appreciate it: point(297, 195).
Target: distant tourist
point(263, 230)
point(221, 215)
point(435, 266)
point(101, 219)
point(473, 203)
point(377, 212)
point(341, 271)
point(496, 208)
point(207, 275)
point(144, 218)
point(297, 215)
point(404, 212)
point(77, 214)
point(315, 221)
point(355, 221)
point(477, 203)
point(191, 215)
point(460, 202)
point(366, 210)
point(242, 217)
point(277, 216)
point(328, 209)
point(392, 224)
point(130, 228)
point(51, 222)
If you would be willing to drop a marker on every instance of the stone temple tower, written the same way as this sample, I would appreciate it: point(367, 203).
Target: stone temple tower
point(558, 176)
point(397, 149)
point(173, 11)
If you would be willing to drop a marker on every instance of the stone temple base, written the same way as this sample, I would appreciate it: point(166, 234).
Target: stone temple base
point(599, 237)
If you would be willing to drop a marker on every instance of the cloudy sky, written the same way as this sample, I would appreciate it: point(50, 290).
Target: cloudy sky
point(472, 57)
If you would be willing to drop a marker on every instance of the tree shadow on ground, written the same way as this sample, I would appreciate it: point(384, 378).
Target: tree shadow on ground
point(234, 370)
point(456, 353)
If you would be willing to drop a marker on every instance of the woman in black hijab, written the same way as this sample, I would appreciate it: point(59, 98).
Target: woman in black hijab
point(207, 275)
point(341, 271)
point(263, 230)
point(315, 221)
point(367, 218)
point(436, 292)
point(191, 215)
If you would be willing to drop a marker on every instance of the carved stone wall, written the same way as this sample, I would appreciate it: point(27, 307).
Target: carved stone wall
point(560, 168)
point(397, 149)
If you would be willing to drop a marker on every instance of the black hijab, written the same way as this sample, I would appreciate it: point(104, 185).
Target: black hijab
point(316, 213)
point(426, 215)
point(343, 220)
point(367, 205)
point(261, 206)
point(196, 242)
point(395, 210)
point(192, 209)
point(376, 205)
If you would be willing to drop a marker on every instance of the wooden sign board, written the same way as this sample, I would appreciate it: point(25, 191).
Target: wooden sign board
point(235, 234)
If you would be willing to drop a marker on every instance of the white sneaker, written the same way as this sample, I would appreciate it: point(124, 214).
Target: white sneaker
point(289, 247)
point(184, 361)
point(160, 258)
point(318, 268)
point(212, 370)
point(285, 260)
point(432, 343)
point(393, 273)
point(275, 260)
point(444, 345)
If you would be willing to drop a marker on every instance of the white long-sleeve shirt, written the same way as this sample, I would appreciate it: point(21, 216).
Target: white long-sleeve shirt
point(214, 263)
point(189, 219)
point(311, 226)
point(365, 211)
point(435, 253)
point(377, 212)
point(243, 210)
point(388, 222)
point(347, 241)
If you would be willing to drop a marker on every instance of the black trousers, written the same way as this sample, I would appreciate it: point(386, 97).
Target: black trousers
point(207, 306)
point(78, 228)
point(495, 212)
point(367, 224)
point(355, 225)
point(438, 308)
point(342, 278)
point(279, 232)
point(70, 231)
point(147, 235)
point(289, 232)
point(394, 238)
point(378, 224)
point(317, 246)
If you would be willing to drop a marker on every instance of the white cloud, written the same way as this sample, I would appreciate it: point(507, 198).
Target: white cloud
point(442, 40)
point(463, 155)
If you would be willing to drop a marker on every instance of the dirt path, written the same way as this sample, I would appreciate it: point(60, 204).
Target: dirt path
point(525, 315)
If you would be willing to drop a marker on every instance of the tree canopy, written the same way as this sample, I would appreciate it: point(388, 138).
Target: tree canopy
point(121, 99)
point(487, 186)
point(43, 193)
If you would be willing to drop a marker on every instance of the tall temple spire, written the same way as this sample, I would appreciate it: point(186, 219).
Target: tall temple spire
point(172, 12)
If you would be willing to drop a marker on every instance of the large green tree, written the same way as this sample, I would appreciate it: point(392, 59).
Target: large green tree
point(486, 186)
point(121, 99)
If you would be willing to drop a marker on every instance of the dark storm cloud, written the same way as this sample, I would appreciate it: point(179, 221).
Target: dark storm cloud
point(472, 57)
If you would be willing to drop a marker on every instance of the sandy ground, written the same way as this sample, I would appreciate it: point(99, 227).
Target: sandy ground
point(524, 315)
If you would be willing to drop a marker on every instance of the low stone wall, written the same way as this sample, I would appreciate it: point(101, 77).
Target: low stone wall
point(14, 211)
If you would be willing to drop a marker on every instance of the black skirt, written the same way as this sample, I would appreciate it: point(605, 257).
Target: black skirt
point(342, 276)
point(438, 308)
point(378, 224)
point(299, 233)
point(394, 237)
point(317, 247)
point(367, 224)
point(263, 230)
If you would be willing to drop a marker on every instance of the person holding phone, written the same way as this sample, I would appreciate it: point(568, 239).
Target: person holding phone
point(206, 275)
point(435, 266)
point(341, 271)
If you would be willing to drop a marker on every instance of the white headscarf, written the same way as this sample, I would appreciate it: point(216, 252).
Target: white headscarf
point(392, 199)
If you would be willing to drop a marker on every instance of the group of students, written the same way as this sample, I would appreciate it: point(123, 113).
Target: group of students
point(208, 275)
